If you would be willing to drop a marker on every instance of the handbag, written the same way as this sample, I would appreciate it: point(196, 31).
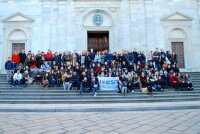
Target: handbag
point(144, 90)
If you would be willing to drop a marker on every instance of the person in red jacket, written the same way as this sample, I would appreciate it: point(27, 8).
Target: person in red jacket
point(98, 69)
point(16, 57)
point(174, 81)
point(49, 56)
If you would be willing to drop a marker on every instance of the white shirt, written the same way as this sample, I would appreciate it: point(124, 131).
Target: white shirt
point(17, 76)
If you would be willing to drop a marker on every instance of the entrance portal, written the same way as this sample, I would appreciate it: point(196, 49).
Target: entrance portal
point(98, 40)
point(177, 47)
point(18, 47)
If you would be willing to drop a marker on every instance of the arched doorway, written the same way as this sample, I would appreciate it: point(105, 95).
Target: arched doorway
point(17, 39)
point(178, 41)
point(17, 34)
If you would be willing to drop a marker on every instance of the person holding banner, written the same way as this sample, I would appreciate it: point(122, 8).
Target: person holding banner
point(94, 85)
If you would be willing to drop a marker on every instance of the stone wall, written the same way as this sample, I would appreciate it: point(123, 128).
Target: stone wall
point(63, 25)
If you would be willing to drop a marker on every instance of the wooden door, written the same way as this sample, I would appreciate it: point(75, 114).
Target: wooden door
point(18, 47)
point(98, 41)
point(178, 48)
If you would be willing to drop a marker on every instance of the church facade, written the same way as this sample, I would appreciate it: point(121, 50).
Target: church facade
point(68, 25)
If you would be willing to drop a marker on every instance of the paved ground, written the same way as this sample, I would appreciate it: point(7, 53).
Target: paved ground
point(150, 122)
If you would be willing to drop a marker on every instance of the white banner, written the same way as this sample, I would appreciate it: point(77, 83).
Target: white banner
point(108, 83)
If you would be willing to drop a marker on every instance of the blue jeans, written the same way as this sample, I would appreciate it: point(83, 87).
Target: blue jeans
point(94, 90)
point(52, 82)
point(84, 89)
point(16, 82)
point(67, 85)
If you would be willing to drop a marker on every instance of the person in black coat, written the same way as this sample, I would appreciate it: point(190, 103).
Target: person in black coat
point(121, 58)
point(75, 80)
point(22, 56)
point(165, 77)
point(57, 58)
point(149, 85)
point(58, 77)
point(39, 59)
point(40, 74)
point(130, 58)
point(175, 68)
point(156, 59)
point(87, 60)
point(85, 85)
point(174, 58)
point(188, 82)
point(52, 78)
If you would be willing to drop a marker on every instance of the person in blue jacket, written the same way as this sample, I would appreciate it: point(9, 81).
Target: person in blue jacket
point(92, 55)
point(130, 58)
point(109, 57)
point(9, 67)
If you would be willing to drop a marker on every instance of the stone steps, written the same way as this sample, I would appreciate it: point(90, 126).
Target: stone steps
point(98, 98)
point(34, 94)
point(52, 91)
point(94, 101)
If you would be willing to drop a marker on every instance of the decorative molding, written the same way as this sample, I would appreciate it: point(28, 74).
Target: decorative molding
point(114, 9)
point(18, 17)
point(81, 9)
point(177, 16)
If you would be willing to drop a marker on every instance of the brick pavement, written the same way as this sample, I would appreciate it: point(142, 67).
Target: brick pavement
point(149, 122)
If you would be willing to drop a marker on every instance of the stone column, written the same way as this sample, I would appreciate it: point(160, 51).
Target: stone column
point(71, 25)
point(62, 15)
point(150, 27)
point(54, 26)
point(45, 26)
point(125, 25)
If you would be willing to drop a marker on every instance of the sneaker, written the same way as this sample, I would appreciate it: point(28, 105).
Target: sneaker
point(95, 94)
point(132, 91)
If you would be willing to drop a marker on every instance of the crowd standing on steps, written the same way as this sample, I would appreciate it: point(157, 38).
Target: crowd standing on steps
point(152, 71)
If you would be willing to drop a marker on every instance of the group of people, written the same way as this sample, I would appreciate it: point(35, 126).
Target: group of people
point(152, 71)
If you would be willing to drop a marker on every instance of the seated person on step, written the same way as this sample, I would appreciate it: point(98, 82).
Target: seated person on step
point(94, 85)
point(174, 81)
point(67, 82)
point(85, 85)
point(123, 82)
point(17, 78)
point(188, 82)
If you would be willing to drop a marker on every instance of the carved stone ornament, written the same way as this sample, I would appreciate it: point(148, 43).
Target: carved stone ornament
point(98, 19)
point(81, 9)
point(114, 9)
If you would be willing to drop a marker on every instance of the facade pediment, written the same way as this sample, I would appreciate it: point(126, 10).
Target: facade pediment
point(176, 17)
point(18, 17)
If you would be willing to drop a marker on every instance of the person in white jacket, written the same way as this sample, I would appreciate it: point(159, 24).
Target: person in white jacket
point(17, 78)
